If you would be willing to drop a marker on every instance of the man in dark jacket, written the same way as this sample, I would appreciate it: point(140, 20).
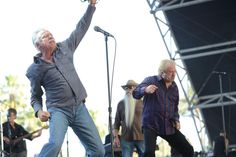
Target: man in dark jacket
point(14, 135)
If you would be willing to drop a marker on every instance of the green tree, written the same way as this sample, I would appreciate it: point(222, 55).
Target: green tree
point(12, 95)
point(100, 126)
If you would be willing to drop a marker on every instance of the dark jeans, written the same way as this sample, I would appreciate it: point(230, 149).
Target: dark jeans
point(177, 141)
point(13, 154)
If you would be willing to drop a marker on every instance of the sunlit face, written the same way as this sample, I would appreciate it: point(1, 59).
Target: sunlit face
point(12, 117)
point(170, 73)
point(46, 41)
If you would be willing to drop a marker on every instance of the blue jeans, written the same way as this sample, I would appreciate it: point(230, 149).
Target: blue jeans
point(127, 148)
point(78, 118)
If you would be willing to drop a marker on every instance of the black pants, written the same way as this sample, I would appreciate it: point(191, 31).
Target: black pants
point(177, 141)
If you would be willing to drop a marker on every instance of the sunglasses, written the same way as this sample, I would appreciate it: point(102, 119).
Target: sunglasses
point(128, 87)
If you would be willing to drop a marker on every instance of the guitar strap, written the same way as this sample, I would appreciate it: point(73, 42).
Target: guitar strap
point(9, 136)
point(9, 130)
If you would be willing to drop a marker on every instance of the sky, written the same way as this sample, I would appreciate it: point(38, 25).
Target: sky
point(138, 51)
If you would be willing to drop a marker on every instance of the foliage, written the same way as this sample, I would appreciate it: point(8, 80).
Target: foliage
point(183, 107)
point(164, 148)
point(101, 127)
point(12, 95)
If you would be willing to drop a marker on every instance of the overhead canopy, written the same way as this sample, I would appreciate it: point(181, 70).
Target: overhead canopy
point(205, 35)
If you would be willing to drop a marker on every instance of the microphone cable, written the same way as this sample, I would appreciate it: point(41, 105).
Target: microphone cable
point(113, 66)
point(89, 1)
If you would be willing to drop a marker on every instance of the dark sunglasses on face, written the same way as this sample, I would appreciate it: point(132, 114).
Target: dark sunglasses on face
point(128, 87)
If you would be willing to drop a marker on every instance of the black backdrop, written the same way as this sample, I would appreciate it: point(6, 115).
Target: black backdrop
point(205, 24)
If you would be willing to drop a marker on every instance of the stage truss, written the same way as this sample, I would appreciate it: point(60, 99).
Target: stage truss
point(195, 102)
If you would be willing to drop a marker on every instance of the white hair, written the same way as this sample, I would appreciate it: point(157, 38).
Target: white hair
point(164, 64)
point(35, 37)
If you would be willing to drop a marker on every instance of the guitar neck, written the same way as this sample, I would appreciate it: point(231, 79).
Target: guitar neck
point(25, 136)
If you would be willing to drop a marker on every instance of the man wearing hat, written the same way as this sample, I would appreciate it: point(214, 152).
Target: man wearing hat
point(128, 117)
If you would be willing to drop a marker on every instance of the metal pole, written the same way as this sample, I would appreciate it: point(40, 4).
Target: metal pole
point(67, 143)
point(1, 132)
point(109, 97)
point(221, 100)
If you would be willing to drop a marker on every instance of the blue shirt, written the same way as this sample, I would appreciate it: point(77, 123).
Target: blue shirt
point(160, 109)
point(60, 80)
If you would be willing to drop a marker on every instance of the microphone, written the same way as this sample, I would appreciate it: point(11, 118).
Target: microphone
point(98, 29)
point(219, 72)
point(164, 75)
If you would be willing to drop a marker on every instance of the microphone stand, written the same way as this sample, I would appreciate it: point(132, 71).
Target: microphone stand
point(67, 144)
point(9, 135)
point(3, 153)
point(222, 107)
point(109, 96)
point(1, 132)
